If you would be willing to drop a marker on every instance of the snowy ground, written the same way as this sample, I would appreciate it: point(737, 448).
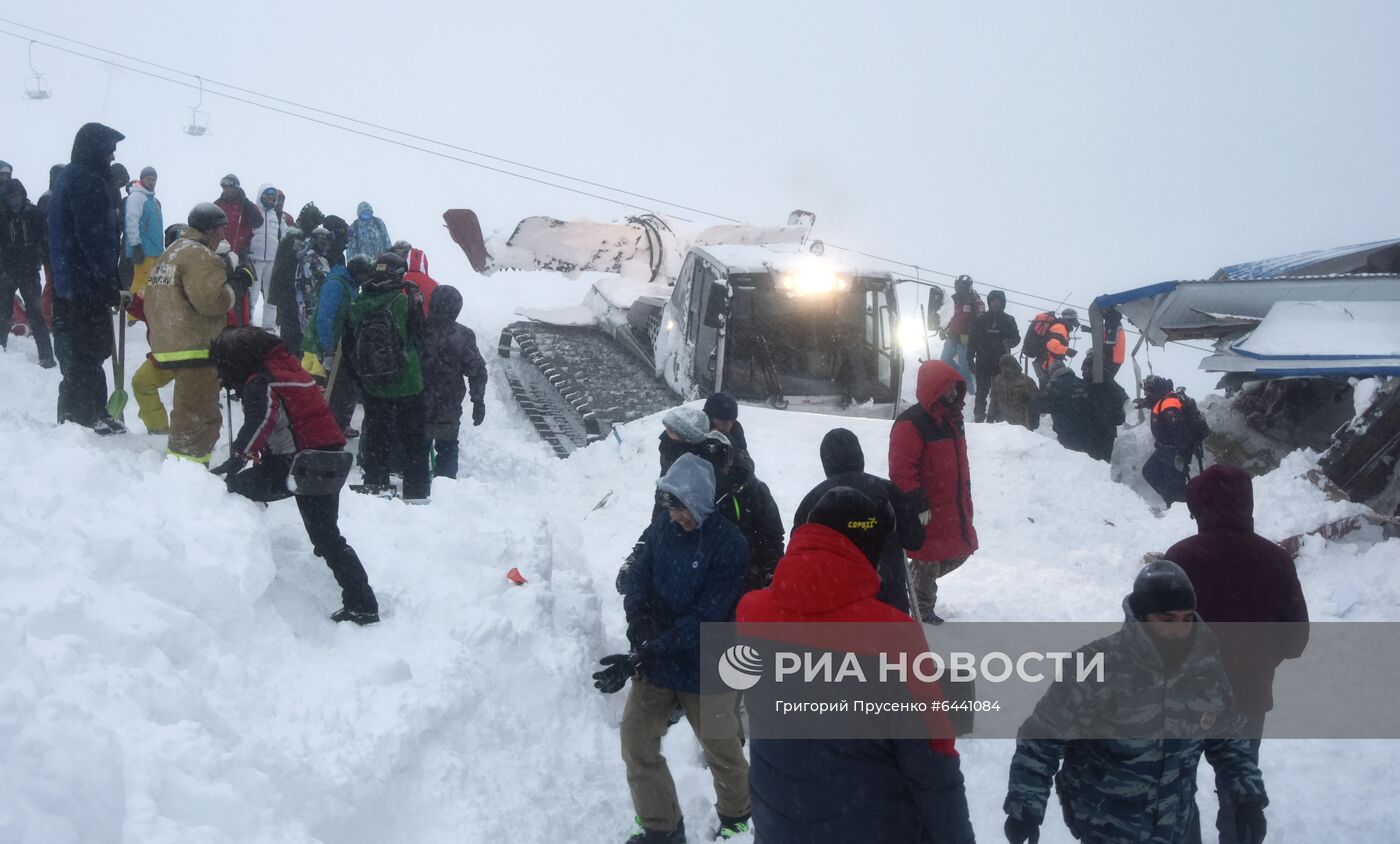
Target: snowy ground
point(167, 673)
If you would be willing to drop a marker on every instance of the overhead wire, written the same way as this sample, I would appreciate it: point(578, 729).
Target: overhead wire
point(203, 81)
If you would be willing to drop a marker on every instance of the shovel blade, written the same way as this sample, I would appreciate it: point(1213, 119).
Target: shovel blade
point(116, 403)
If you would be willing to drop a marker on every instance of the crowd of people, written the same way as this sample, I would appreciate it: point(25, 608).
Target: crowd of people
point(357, 320)
point(872, 549)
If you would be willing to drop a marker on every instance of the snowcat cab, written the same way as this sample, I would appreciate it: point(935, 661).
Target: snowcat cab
point(680, 314)
point(782, 327)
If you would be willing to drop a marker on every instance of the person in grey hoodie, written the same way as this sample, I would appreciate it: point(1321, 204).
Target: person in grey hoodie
point(368, 234)
point(262, 249)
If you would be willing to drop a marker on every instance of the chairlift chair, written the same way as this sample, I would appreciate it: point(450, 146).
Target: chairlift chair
point(35, 88)
point(199, 120)
point(199, 123)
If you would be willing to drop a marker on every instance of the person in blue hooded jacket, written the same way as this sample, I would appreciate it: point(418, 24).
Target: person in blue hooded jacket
point(84, 248)
point(691, 571)
point(368, 234)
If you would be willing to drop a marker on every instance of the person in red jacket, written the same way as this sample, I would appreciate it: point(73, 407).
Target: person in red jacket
point(879, 791)
point(1240, 576)
point(928, 460)
point(288, 425)
point(243, 215)
point(417, 273)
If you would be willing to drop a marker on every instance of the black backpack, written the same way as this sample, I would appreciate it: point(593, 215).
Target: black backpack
point(380, 353)
point(1033, 346)
point(1196, 423)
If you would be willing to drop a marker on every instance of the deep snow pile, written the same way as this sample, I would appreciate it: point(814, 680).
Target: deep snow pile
point(167, 673)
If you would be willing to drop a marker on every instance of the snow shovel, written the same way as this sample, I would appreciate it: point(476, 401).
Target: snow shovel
point(116, 403)
point(335, 370)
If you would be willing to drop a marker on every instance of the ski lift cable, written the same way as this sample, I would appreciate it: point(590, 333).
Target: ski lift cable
point(200, 85)
point(458, 148)
point(350, 129)
point(390, 129)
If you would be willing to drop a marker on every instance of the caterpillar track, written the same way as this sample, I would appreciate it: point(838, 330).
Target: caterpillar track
point(576, 383)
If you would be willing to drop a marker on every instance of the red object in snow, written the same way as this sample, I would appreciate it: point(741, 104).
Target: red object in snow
point(514, 576)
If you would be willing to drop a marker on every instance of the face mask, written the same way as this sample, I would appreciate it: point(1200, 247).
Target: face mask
point(366, 215)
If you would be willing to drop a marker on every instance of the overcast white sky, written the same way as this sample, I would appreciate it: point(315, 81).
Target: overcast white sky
point(1061, 148)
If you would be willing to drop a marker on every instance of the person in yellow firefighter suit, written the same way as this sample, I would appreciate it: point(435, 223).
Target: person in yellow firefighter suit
point(188, 297)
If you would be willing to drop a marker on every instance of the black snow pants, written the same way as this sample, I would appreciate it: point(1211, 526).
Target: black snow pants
point(83, 328)
point(267, 481)
point(1164, 472)
point(29, 289)
point(401, 421)
point(984, 389)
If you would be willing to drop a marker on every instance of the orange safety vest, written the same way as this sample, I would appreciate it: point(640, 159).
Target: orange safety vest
point(1057, 344)
point(1119, 347)
point(1168, 402)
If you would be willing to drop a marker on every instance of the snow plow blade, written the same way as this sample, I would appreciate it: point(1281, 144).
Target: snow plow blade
point(465, 229)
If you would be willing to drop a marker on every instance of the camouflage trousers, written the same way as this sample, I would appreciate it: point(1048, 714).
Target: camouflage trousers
point(924, 578)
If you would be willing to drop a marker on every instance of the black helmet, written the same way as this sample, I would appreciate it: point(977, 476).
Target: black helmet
point(962, 283)
point(1161, 586)
point(716, 450)
point(173, 232)
point(1155, 387)
point(390, 265)
point(361, 267)
point(207, 216)
point(1070, 315)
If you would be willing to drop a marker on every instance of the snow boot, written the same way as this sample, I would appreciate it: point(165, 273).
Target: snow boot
point(730, 827)
point(106, 426)
point(356, 596)
point(656, 836)
point(379, 490)
point(360, 617)
point(417, 501)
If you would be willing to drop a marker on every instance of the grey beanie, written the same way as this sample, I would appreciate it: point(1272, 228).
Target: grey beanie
point(690, 423)
point(5, 167)
point(148, 170)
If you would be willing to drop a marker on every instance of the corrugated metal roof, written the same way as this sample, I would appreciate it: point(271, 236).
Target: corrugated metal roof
point(1381, 256)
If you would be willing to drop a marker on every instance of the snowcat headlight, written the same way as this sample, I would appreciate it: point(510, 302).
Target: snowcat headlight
point(911, 331)
point(810, 280)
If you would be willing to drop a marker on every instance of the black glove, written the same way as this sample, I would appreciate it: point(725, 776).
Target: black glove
point(229, 467)
point(619, 667)
point(640, 631)
point(1250, 825)
point(1021, 832)
point(478, 412)
point(1069, 353)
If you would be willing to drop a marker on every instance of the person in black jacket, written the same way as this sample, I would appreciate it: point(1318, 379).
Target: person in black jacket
point(340, 236)
point(24, 246)
point(281, 287)
point(84, 247)
point(451, 362)
point(1066, 398)
point(723, 411)
point(1107, 411)
point(844, 464)
point(746, 501)
point(994, 333)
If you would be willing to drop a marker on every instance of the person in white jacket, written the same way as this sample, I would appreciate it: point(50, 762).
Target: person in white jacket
point(263, 248)
point(145, 229)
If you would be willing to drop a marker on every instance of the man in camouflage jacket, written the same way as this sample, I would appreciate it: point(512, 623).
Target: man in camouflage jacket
point(1123, 753)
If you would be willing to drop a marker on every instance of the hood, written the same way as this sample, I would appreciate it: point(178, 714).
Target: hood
point(339, 229)
point(14, 186)
point(310, 217)
point(363, 209)
point(691, 479)
point(1221, 498)
point(996, 297)
point(935, 378)
point(137, 187)
point(1008, 365)
point(841, 452)
point(264, 188)
point(1061, 372)
point(94, 144)
point(822, 571)
point(382, 285)
point(446, 304)
point(417, 261)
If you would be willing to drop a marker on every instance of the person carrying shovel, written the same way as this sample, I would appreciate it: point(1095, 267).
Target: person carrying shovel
point(325, 331)
point(186, 303)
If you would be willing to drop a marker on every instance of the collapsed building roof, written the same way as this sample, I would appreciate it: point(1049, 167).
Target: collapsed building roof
point(1236, 307)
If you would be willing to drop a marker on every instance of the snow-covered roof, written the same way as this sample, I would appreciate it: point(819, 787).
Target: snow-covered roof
point(780, 257)
point(1356, 338)
point(1377, 257)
